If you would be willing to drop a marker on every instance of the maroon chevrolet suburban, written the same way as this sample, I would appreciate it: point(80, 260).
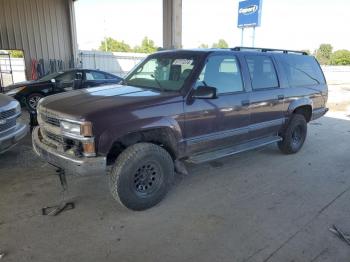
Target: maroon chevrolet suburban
point(181, 105)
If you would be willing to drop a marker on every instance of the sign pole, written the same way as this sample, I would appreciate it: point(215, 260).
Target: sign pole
point(249, 16)
point(253, 38)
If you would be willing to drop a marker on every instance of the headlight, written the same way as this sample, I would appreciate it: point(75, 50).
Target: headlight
point(14, 91)
point(72, 128)
point(76, 129)
point(18, 109)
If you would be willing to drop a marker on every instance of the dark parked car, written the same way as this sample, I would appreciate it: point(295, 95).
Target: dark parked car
point(11, 130)
point(184, 105)
point(30, 92)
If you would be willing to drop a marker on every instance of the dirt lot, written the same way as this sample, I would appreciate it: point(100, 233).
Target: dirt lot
point(339, 98)
point(257, 206)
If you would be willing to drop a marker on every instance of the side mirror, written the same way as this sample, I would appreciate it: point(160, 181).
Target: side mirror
point(204, 92)
point(53, 80)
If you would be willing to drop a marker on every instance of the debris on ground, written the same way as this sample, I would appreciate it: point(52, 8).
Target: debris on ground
point(2, 254)
point(343, 236)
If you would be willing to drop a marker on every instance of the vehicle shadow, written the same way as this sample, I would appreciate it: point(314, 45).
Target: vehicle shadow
point(323, 135)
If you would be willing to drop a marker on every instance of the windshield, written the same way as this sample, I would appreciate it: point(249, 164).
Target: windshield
point(50, 76)
point(162, 73)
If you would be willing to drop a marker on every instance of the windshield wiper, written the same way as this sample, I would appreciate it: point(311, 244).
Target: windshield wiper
point(158, 83)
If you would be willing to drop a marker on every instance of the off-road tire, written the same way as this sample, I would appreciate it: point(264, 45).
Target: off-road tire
point(294, 135)
point(136, 170)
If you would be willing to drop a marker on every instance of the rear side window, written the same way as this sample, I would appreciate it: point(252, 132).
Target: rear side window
point(262, 72)
point(302, 70)
point(221, 72)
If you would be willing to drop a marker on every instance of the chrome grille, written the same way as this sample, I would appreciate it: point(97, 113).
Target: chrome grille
point(50, 120)
point(8, 113)
point(51, 132)
point(50, 127)
point(10, 123)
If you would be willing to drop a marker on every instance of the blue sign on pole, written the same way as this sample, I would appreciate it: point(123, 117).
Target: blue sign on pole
point(249, 13)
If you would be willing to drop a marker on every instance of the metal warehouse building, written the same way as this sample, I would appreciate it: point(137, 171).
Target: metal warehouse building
point(44, 29)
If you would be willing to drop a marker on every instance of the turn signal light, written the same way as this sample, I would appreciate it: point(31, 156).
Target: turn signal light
point(89, 149)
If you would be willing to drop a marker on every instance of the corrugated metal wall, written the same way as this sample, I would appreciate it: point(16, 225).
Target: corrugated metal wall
point(43, 29)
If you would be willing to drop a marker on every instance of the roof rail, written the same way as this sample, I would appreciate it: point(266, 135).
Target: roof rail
point(243, 48)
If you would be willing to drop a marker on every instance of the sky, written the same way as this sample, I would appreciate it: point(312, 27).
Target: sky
point(287, 24)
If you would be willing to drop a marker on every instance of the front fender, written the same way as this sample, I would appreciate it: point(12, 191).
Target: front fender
point(116, 132)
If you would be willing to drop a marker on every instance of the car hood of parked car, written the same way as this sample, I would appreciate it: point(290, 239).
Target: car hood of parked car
point(25, 83)
point(84, 103)
point(5, 101)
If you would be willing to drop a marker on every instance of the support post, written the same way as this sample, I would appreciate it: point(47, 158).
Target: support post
point(242, 35)
point(172, 24)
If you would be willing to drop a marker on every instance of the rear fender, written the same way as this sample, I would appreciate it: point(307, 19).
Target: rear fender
point(305, 101)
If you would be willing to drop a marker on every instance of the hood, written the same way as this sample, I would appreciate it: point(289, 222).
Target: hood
point(6, 102)
point(24, 83)
point(82, 104)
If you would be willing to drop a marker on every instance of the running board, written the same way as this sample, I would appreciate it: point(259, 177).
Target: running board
point(227, 151)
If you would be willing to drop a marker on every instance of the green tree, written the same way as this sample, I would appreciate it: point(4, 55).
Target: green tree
point(147, 46)
point(16, 53)
point(203, 46)
point(113, 45)
point(323, 54)
point(341, 57)
point(220, 44)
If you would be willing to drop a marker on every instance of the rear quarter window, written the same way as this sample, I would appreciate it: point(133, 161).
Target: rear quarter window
point(302, 70)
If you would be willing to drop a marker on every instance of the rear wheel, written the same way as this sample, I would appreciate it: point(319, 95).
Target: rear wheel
point(141, 176)
point(32, 101)
point(294, 135)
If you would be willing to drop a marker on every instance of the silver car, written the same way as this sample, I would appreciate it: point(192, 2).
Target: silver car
point(11, 130)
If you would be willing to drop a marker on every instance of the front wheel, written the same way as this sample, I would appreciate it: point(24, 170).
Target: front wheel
point(141, 176)
point(32, 101)
point(294, 135)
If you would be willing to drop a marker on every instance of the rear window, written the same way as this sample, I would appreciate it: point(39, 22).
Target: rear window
point(302, 70)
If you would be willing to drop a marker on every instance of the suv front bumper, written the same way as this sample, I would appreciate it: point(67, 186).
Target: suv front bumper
point(71, 164)
point(12, 138)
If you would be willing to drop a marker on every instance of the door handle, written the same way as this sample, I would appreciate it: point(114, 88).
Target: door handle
point(280, 97)
point(245, 102)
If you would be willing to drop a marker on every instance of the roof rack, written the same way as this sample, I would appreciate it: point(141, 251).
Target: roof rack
point(284, 51)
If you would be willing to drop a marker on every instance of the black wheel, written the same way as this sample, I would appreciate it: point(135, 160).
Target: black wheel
point(32, 101)
point(141, 176)
point(294, 135)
